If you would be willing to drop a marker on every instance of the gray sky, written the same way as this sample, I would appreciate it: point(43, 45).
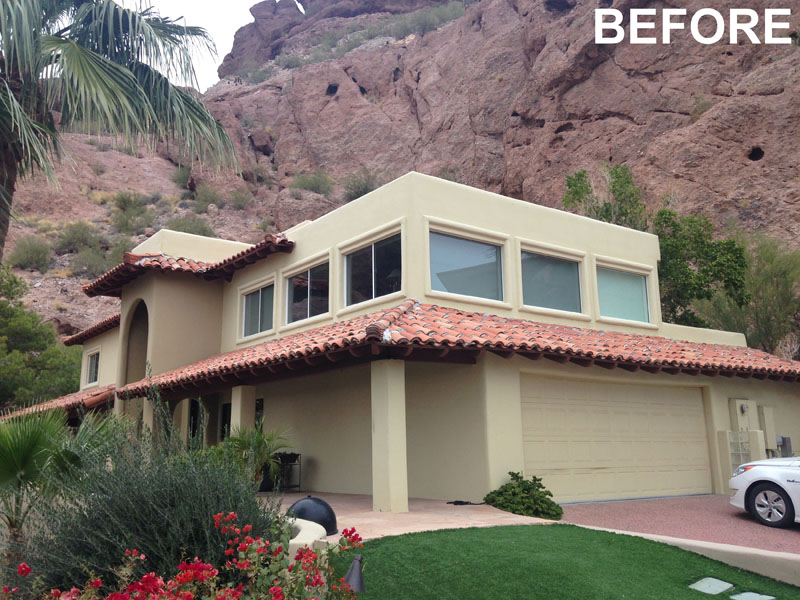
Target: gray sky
point(221, 18)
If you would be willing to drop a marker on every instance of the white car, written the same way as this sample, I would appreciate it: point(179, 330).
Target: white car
point(769, 490)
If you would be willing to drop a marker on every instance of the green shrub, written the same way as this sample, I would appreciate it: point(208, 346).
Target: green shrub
point(360, 183)
point(131, 214)
point(159, 498)
point(701, 106)
point(205, 196)
point(241, 199)
point(181, 176)
point(288, 61)
point(523, 497)
point(316, 181)
point(118, 248)
point(89, 261)
point(191, 224)
point(31, 252)
point(76, 236)
point(265, 225)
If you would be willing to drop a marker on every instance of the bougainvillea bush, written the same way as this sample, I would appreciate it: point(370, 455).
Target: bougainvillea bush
point(253, 568)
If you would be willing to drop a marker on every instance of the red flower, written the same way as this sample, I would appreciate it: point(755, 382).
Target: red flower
point(55, 593)
point(96, 583)
point(247, 528)
point(23, 569)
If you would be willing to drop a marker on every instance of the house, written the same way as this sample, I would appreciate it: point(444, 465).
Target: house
point(428, 338)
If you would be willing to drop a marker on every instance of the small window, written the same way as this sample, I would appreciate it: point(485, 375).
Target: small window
point(308, 294)
point(93, 368)
point(258, 310)
point(550, 282)
point(466, 267)
point(622, 295)
point(374, 271)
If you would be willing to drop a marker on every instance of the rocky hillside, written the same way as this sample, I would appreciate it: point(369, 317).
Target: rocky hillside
point(509, 96)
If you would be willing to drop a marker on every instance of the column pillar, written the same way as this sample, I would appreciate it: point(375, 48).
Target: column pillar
point(148, 414)
point(243, 408)
point(389, 463)
point(503, 418)
point(119, 405)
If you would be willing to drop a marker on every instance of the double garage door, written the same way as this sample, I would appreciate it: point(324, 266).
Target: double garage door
point(601, 441)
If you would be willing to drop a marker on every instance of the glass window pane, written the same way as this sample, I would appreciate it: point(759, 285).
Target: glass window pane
point(359, 276)
point(298, 297)
point(93, 368)
point(550, 282)
point(465, 267)
point(267, 299)
point(622, 295)
point(319, 290)
point(251, 313)
point(388, 266)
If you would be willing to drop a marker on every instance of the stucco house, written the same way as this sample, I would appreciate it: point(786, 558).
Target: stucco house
point(428, 338)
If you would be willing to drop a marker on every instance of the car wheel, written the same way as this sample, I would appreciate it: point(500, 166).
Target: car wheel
point(771, 505)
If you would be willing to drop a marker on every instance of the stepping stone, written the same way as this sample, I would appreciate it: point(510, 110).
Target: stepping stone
point(709, 585)
point(751, 596)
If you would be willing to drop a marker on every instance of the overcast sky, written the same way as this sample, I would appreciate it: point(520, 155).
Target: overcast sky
point(221, 18)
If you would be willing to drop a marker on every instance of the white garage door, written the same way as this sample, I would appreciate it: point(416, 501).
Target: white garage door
point(597, 441)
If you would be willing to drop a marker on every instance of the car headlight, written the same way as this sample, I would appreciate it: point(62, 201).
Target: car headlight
point(742, 469)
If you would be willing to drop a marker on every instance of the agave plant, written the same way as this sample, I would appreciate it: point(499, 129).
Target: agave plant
point(102, 68)
point(255, 449)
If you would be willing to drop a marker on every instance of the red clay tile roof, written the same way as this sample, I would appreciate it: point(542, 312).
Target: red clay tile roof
point(93, 331)
point(412, 325)
point(91, 398)
point(134, 265)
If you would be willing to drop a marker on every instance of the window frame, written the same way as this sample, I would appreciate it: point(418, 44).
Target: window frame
point(560, 252)
point(295, 269)
point(650, 286)
point(472, 234)
point(243, 309)
point(248, 288)
point(371, 245)
point(91, 353)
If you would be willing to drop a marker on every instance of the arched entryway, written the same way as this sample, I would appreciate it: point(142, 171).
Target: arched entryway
point(136, 355)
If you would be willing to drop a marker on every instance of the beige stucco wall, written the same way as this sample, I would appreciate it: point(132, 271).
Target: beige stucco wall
point(187, 245)
point(107, 344)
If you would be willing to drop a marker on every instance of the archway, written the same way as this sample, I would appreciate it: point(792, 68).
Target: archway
point(136, 358)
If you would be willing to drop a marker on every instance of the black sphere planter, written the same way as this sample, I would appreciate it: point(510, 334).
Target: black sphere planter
point(316, 510)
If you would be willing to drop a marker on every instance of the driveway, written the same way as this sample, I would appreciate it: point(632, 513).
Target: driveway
point(706, 518)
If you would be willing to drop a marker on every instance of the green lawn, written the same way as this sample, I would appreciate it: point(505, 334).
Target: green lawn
point(542, 561)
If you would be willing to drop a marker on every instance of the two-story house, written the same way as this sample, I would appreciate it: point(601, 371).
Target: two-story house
point(428, 338)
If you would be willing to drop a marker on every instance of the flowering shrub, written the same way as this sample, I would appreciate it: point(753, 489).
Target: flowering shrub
point(255, 568)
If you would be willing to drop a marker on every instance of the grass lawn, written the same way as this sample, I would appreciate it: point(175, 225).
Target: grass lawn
point(542, 561)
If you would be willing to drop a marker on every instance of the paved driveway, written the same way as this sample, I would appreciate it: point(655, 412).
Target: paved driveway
point(706, 518)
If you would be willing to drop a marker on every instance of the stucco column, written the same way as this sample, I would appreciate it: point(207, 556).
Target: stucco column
point(243, 408)
point(503, 418)
point(119, 405)
point(148, 414)
point(389, 463)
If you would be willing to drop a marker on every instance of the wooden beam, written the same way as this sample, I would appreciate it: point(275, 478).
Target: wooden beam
point(559, 358)
point(632, 367)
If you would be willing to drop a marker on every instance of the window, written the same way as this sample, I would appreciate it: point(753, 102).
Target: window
point(93, 368)
point(466, 267)
point(308, 294)
point(225, 421)
point(258, 310)
point(622, 295)
point(373, 271)
point(550, 282)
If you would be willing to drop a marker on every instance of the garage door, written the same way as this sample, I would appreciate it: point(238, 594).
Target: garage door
point(598, 441)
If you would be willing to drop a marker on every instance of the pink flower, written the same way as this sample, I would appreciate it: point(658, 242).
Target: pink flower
point(96, 583)
point(23, 569)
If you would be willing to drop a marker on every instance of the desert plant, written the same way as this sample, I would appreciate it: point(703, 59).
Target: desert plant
point(119, 247)
point(90, 262)
point(360, 183)
point(255, 450)
point(76, 236)
point(131, 214)
point(316, 181)
point(265, 225)
point(191, 224)
point(701, 105)
point(181, 176)
point(205, 196)
point(523, 497)
point(241, 199)
point(31, 252)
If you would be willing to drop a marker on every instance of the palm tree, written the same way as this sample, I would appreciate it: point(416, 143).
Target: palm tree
point(255, 449)
point(95, 66)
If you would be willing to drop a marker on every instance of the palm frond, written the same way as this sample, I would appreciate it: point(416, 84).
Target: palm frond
point(20, 24)
point(34, 142)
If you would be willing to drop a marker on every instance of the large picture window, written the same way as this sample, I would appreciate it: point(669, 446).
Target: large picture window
point(308, 293)
point(550, 282)
point(373, 271)
point(467, 267)
point(93, 368)
point(622, 295)
point(258, 310)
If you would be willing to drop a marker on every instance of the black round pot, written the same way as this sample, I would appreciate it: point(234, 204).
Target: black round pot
point(316, 510)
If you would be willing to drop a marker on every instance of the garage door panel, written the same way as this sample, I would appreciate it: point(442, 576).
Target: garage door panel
point(591, 440)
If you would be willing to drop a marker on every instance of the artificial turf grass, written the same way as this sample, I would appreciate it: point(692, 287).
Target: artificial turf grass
point(542, 562)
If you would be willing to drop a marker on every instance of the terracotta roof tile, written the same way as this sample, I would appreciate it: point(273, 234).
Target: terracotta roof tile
point(414, 324)
point(91, 398)
point(93, 331)
point(134, 265)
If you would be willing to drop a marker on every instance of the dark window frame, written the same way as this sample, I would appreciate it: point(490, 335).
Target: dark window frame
point(371, 246)
point(93, 357)
point(260, 291)
point(309, 294)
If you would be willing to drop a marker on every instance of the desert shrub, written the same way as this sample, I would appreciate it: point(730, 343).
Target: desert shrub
point(181, 176)
point(523, 497)
point(191, 224)
point(315, 181)
point(289, 61)
point(241, 199)
point(205, 196)
point(131, 214)
point(701, 106)
point(76, 236)
point(31, 252)
point(118, 248)
point(360, 183)
point(90, 262)
point(265, 225)
point(449, 173)
point(97, 168)
point(157, 497)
